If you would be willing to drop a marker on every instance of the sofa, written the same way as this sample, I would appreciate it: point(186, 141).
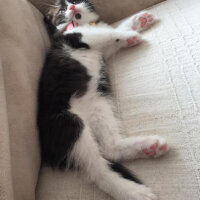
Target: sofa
point(156, 89)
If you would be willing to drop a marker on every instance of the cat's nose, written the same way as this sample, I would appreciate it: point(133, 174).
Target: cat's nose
point(72, 7)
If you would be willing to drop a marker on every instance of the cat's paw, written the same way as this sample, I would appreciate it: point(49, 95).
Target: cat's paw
point(128, 39)
point(142, 21)
point(140, 192)
point(144, 193)
point(154, 146)
point(133, 40)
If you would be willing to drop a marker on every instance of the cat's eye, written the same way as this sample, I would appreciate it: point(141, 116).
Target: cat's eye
point(78, 16)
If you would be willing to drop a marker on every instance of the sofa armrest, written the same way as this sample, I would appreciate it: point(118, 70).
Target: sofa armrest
point(23, 44)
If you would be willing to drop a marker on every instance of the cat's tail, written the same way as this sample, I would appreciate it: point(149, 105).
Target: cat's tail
point(124, 172)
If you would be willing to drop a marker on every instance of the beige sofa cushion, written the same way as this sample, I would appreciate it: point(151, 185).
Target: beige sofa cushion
point(109, 10)
point(23, 43)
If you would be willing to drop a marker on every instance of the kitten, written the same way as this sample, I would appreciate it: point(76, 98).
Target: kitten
point(76, 119)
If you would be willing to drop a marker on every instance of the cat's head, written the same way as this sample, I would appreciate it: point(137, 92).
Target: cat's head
point(72, 13)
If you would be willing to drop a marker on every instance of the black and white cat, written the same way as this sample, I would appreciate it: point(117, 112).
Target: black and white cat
point(76, 119)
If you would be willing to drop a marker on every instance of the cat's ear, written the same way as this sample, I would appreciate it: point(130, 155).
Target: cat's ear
point(52, 10)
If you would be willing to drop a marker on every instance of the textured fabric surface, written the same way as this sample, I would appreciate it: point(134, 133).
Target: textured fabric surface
point(156, 87)
point(109, 10)
point(23, 43)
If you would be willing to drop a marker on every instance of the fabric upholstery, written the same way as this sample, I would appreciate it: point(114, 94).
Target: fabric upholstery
point(109, 10)
point(23, 43)
point(156, 89)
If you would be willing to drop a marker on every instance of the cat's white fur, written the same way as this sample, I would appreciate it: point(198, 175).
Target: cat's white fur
point(101, 139)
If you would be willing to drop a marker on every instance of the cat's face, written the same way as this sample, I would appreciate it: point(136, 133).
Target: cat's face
point(75, 12)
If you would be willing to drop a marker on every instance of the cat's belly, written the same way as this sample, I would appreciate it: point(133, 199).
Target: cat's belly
point(91, 59)
point(90, 103)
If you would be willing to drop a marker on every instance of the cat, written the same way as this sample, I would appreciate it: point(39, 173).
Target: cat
point(76, 116)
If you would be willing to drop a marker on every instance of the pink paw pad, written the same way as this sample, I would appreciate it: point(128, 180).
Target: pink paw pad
point(149, 152)
point(133, 41)
point(163, 147)
point(154, 146)
point(134, 28)
point(143, 21)
point(156, 149)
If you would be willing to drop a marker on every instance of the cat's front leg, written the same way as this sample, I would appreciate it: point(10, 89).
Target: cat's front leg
point(141, 147)
point(123, 39)
point(105, 39)
point(106, 129)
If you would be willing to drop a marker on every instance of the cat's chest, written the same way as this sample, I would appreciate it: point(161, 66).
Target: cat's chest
point(91, 60)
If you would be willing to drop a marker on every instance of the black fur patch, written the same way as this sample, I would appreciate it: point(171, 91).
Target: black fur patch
point(62, 77)
point(63, 4)
point(73, 40)
point(50, 27)
point(124, 172)
point(104, 86)
point(58, 133)
point(90, 5)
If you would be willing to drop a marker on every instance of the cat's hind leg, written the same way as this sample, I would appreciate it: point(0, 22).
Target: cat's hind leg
point(141, 147)
point(107, 176)
point(113, 146)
